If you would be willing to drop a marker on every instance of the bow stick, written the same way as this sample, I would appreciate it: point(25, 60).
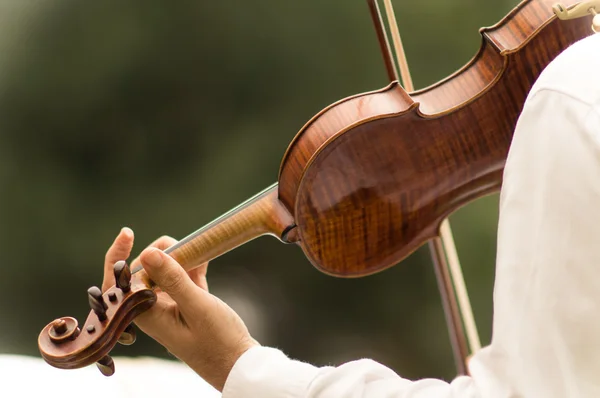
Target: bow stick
point(455, 299)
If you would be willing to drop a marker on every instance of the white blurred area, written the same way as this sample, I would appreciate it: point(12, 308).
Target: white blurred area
point(23, 376)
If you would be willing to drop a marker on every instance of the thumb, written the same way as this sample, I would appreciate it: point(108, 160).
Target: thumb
point(169, 275)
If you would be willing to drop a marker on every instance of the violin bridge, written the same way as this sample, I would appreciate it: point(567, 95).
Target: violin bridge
point(582, 9)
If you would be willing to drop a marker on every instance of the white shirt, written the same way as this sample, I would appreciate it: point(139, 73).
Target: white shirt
point(546, 326)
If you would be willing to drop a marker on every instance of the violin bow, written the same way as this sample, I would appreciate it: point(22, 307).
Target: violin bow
point(451, 284)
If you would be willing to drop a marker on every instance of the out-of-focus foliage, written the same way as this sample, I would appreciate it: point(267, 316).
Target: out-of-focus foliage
point(163, 115)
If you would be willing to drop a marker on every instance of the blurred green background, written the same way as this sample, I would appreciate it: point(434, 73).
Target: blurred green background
point(161, 116)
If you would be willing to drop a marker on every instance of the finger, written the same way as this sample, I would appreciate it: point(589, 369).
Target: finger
point(161, 243)
point(170, 277)
point(198, 276)
point(119, 250)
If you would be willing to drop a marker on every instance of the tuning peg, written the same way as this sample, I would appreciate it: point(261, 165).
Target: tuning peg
point(106, 366)
point(97, 302)
point(128, 336)
point(122, 276)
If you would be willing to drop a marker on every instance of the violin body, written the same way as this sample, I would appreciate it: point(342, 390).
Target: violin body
point(370, 178)
point(364, 183)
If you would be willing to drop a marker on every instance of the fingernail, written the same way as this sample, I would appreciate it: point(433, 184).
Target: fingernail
point(152, 257)
point(126, 231)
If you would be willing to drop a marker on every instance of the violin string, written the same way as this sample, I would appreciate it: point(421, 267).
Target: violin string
point(445, 230)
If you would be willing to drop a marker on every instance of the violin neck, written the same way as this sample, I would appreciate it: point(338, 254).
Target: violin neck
point(260, 215)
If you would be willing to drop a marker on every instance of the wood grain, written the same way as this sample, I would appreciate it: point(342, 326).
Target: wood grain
point(262, 215)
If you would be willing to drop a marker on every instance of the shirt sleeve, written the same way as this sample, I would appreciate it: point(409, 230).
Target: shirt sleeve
point(546, 323)
point(268, 373)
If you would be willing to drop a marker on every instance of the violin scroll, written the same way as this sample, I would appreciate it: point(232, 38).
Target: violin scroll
point(64, 345)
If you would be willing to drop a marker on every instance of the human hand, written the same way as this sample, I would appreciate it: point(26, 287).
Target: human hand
point(192, 324)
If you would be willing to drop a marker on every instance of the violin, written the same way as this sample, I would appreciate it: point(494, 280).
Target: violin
point(366, 181)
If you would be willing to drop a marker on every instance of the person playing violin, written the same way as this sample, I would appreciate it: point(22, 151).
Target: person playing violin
point(546, 330)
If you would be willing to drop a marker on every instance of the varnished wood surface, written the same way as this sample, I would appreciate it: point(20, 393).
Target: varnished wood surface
point(519, 26)
point(465, 86)
point(330, 121)
point(367, 191)
point(260, 216)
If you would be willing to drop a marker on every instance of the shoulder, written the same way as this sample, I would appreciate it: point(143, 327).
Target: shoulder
point(574, 72)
